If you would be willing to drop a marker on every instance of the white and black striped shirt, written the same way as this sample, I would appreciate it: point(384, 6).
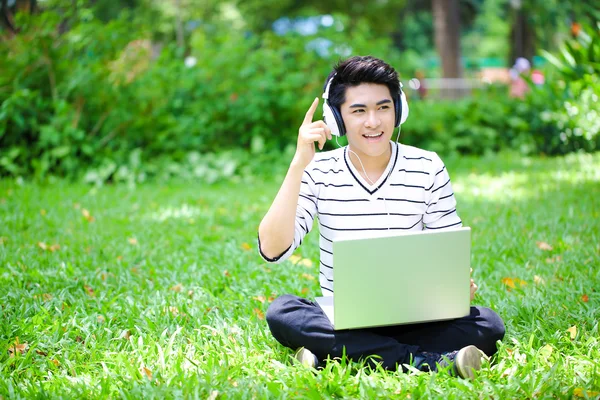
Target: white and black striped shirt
point(413, 193)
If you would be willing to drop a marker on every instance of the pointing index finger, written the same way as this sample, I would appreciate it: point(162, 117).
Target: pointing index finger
point(311, 111)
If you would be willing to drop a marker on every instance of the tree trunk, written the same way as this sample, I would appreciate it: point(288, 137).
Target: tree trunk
point(7, 19)
point(522, 37)
point(179, 23)
point(446, 22)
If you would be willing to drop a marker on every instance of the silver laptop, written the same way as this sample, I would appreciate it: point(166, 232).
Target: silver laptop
point(403, 279)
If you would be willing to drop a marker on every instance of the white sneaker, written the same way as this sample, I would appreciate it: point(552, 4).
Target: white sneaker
point(464, 362)
point(306, 357)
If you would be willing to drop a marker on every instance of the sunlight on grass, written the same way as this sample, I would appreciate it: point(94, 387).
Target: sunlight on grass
point(183, 211)
point(504, 188)
point(527, 182)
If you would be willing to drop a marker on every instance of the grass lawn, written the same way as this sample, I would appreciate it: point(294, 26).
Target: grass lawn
point(158, 291)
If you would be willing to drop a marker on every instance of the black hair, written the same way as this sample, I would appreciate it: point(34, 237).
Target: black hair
point(357, 70)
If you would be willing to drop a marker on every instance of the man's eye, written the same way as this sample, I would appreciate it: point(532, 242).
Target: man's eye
point(357, 111)
point(385, 107)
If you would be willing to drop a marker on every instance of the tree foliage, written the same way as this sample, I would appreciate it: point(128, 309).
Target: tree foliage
point(83, 91)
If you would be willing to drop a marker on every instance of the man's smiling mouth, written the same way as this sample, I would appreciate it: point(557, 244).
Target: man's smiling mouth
point(373, 135)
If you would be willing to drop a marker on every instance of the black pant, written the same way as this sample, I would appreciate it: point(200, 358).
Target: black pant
point(297, 322)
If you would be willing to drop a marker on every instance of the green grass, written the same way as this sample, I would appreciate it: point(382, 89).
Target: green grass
point(161, 283)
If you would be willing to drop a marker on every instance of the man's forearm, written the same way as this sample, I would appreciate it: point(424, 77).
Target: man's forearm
point(276, 230)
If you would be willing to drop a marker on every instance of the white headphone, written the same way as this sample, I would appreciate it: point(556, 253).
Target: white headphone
point(333, 117)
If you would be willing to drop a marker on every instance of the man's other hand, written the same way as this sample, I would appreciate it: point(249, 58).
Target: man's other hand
point(473, 287)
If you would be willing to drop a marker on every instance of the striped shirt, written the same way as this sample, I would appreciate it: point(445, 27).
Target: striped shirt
point(413, 193)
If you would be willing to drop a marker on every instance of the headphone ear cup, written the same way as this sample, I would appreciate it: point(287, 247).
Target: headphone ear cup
point(333, 120)
point(339, 121)
point(401, 106)
point(329, 119)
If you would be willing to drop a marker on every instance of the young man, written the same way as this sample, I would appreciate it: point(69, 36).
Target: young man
point(371, 184)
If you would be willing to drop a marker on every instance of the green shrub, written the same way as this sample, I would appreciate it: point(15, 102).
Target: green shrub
point(98, 101)
point(468, 126)
point(558, 117)
point(54, 92)
point(88, 99)
point(564, 112)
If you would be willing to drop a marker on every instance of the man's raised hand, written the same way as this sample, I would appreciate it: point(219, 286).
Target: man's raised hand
point(309, 133)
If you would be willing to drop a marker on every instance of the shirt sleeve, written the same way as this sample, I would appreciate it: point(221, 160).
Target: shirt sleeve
point(306, 210)
point(441, 207)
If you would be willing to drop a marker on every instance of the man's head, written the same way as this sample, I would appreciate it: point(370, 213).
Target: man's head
point(361, 69)
point(365, 91)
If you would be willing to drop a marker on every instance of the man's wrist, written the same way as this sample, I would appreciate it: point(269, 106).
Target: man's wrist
point(296, 166)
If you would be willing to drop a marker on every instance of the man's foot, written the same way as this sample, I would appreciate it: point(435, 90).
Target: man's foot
point(464, 361)
point(306, 357)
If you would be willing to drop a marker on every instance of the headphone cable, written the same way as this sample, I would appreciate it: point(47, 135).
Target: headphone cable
point(367, 176)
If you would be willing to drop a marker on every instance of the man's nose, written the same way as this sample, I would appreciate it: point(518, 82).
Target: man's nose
point(372, 120)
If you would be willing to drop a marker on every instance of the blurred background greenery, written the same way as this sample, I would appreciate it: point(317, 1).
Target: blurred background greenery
point(105, 90)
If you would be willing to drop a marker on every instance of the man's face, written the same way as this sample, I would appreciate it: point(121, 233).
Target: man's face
point(369, 116)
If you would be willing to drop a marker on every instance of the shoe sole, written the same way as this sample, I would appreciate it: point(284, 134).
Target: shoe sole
point(468, 360)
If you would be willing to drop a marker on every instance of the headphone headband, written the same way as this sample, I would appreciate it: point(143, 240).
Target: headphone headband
point(326, 92)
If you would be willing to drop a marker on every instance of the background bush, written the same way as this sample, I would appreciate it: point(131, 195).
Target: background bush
point(558, 117)
point(91, 97)
point(105, 102)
